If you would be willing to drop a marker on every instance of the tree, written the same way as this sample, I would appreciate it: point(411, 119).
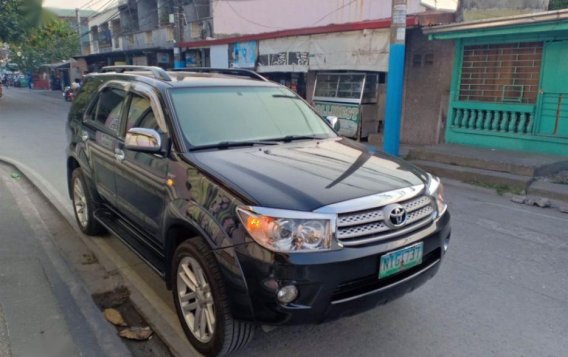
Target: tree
point(50, 43)
point(19, 17)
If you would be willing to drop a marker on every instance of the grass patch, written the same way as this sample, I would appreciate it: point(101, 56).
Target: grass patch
point(501, 189)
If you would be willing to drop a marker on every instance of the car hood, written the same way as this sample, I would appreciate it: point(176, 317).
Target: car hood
point(308, 175)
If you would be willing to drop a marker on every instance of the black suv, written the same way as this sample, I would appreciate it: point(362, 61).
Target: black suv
point(247, 202)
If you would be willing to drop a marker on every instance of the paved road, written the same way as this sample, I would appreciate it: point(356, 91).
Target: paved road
point(502, 291)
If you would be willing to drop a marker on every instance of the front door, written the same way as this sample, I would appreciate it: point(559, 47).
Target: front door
point(141, 177)
point(553, 101)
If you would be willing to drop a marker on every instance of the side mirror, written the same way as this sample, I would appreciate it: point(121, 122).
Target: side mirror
point(333, 121)
point(145, 140)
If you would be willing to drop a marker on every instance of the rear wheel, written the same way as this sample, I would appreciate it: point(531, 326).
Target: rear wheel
point(202, 304)
point(83, 204)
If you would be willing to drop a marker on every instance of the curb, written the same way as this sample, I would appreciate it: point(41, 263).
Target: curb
point(107, 340)
point(147, 303)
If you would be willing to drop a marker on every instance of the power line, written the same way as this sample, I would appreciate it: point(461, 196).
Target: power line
point(249, 20)
point(333, 12)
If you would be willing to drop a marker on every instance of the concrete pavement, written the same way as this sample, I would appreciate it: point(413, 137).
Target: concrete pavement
point(44, 308)
point(501, 291)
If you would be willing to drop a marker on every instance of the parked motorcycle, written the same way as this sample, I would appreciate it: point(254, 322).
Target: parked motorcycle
point(68, 94)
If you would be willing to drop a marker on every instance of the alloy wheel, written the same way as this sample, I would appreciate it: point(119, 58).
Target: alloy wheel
point(195, 299)
point(80, 203)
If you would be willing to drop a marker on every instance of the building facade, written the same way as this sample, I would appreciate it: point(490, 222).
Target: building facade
point(142, 32)
point(332, 53)
point(509, 83)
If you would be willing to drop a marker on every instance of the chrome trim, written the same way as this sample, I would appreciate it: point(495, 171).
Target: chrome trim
point(351, 218)
point(373, 201)
point(284, 213)
point(143, 139)
point(388, 286)
point(347, 219)
point(355, 242)
point(150, 93)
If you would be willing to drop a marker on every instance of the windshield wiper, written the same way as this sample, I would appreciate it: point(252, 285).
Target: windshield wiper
point(290, 138)
point(229, 144)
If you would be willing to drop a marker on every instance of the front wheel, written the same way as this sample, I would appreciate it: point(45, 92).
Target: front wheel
point(202, 304)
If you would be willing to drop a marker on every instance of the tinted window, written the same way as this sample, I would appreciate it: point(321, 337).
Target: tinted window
point(140, 114)
point(213, 115)
point(109, 108)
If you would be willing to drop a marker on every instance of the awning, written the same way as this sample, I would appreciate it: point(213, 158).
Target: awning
point(542, 22)
point(364, 50)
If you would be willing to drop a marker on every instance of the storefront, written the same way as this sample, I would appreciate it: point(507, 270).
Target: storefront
point(509, 83)
point(353, 55)
point(342, 83)
point(352, 97)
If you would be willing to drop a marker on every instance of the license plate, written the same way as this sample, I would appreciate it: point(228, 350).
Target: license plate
point(400, 260)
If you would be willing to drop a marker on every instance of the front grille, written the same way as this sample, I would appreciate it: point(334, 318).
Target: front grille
point(362, 227)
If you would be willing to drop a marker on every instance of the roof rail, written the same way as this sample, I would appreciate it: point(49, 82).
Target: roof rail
point(158, 72)
point(228, 71)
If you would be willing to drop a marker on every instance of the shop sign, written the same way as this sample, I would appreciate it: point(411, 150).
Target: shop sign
point(243, 54)
point(163, 57)
point(349, 116)
point(191, 59)
point(285, 59)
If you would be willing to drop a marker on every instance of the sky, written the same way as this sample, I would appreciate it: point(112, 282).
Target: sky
point(73, 4)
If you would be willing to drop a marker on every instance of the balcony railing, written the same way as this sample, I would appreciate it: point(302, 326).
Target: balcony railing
point(492, 117)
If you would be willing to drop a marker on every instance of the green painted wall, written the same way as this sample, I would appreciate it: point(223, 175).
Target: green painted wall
point(500, 139)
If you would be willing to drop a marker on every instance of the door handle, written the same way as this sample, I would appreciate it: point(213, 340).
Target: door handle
point(119, 155)
point(84, 135)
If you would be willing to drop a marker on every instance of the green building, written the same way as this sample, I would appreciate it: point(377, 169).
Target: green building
point(509, 86)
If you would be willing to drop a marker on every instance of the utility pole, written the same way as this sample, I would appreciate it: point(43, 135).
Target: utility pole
point(78, 16)
point(395, 79)
point(177, 34)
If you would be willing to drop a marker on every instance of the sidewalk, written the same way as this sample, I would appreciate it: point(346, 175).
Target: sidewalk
point(44, 308)
point(507, 171)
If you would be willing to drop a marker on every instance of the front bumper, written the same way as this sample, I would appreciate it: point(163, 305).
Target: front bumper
point(334, 284)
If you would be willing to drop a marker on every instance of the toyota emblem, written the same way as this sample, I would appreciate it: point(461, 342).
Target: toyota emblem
point(395, 215)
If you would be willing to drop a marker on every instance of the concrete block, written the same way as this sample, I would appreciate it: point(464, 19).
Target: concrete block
point(517, 163)
point(476, 176)
point(550, 190)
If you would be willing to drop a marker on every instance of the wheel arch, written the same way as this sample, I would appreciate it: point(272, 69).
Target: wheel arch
point(180, 230)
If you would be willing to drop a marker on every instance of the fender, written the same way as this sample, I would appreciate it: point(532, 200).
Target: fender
point(195, 219)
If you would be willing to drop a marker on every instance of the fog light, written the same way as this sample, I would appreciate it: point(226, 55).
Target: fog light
point(446, 243)
point(287, 294)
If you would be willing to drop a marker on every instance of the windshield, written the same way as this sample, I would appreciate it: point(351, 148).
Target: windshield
point(210, 116)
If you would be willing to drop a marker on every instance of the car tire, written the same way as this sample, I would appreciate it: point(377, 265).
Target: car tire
point(199, 291)
point(83, 204)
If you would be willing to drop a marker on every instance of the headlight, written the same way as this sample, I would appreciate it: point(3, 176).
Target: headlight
point(436, 190)
point(287, 234)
